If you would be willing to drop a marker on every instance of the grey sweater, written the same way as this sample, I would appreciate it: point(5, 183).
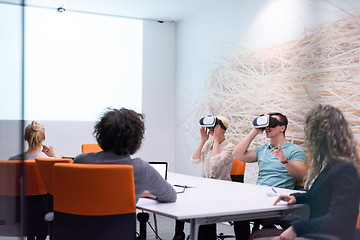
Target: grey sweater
point(146, 177)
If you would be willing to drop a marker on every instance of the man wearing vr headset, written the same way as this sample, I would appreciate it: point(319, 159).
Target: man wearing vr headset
point(281, 163)
point(216, 156)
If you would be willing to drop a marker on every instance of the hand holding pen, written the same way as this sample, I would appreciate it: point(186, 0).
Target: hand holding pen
point(289, 199)
point(277, 194)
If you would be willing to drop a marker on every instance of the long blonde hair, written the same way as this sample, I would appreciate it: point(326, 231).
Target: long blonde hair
point(328, 138)
point(34, 134)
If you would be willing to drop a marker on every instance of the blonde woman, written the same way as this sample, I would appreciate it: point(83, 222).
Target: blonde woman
point(35, 136)
point(215, 154)
point(332, 182)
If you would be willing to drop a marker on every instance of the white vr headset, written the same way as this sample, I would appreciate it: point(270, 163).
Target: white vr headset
point(266, 121)
point(211, 121)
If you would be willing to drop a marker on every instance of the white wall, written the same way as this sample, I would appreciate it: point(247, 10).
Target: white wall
point(203, 39)
point(158, 101)
point(200, 39)
point(159, 92)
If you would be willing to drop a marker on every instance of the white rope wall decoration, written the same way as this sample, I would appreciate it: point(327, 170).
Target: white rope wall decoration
point(322, 67)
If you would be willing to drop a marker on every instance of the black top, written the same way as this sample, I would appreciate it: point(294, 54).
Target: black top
point(334, 202)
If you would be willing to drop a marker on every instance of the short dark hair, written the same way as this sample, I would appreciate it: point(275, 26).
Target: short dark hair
point(120, 131)
point(283, 119)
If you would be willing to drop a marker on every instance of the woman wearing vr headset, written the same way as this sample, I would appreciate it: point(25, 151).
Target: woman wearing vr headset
point(216, 156)
point(332, 182)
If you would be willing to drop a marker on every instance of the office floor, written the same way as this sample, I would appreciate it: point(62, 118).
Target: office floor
point(166, 229)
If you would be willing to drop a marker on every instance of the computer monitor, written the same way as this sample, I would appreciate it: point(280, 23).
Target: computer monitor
point(161, 167)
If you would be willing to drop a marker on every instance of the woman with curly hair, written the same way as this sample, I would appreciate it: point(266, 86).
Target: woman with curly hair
point(332, 182)
point(120, 133)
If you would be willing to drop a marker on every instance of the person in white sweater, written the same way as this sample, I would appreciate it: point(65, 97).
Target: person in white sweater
point(216, 157)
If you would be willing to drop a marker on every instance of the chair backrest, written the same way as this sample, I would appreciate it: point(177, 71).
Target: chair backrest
point(237, 171)
point(90, 147)
point(46, 169)
point(94, 201)
point(10, 180)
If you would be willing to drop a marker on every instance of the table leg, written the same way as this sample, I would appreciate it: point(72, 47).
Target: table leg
point(194, 229)
point(156, 228)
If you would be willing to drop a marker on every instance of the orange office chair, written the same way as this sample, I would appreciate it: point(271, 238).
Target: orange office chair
point(237, 175)
point(94, 201)
point(358, 222)
point(237, 171)
point(46, 169)
point(33, 209)
point(90, 147)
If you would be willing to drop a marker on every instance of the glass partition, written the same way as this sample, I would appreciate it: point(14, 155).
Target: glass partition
point(61, 68)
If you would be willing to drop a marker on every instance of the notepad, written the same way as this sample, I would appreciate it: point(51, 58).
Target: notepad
point(161, 167)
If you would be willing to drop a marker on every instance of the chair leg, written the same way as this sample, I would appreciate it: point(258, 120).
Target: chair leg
point(50, 230)
point(142, 217)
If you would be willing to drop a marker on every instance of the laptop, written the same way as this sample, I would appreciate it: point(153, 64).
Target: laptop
point(161, 167)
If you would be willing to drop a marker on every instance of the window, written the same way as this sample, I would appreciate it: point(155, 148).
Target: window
point(78, 64)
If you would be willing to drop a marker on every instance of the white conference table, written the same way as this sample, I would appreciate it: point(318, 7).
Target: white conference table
point(208, 201)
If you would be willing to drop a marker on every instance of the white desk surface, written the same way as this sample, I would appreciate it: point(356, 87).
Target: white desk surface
point(210, 201)
point(211, 198)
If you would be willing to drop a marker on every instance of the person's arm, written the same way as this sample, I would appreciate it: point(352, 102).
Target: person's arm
point(290, 199)
point(49, 151)
point(242, 152)
point(147, 194)
point(204, 137)
point(157, 188)
point(288, 234)
point(296, 168)
point(218, 138)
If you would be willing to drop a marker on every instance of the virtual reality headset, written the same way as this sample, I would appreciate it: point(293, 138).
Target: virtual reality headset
point(211, 121)
point(264, 121)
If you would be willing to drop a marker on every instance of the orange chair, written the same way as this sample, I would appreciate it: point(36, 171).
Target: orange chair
point(94, 201)
point(90, 147)
point(237, 175)
point(17, 177)
point(46, 169)
point(358, 222)
point(237, 171)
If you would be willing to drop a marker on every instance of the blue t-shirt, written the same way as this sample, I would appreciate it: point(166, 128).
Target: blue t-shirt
point(271, 171)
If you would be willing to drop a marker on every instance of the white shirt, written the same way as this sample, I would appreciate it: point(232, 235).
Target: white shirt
point(218, 166)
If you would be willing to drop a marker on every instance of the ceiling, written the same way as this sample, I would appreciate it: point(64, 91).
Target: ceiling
point(161, 10)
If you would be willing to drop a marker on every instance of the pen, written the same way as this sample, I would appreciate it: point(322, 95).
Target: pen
point(183, 186)
point(277, 193)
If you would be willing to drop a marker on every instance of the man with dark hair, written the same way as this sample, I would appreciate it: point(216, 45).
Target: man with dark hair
point(281, 163)
point(120, 133)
